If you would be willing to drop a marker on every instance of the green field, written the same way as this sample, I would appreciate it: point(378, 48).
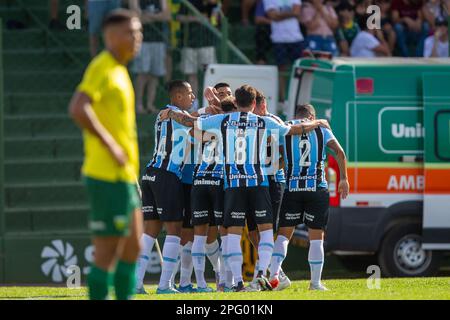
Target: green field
point(342, 289)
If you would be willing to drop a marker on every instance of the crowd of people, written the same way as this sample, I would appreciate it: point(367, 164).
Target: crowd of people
point(284, 28)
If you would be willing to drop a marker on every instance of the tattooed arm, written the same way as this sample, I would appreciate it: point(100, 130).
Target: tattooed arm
point(183, 118)
point(305, 127)
point(341, 159)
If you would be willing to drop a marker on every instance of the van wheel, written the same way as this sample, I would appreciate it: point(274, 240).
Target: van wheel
point(401, 253)
point(357, 263)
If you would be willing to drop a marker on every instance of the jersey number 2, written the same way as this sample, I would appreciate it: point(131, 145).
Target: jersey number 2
point(305, 154)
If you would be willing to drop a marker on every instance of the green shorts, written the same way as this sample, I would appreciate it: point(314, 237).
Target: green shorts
point(112, 204)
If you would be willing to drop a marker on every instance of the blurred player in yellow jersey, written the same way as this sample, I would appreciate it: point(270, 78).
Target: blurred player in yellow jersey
point(103, 106)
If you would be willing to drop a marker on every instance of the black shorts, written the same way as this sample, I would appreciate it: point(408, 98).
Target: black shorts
point(308, 207)
point(207, 203)
point(243, 202)
point(276, 190)
point(162, 195)
point(187, 212)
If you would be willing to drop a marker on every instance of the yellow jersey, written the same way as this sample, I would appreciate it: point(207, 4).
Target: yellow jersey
point(109, 86)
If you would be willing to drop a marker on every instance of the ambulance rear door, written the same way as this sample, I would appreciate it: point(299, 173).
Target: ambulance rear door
point(436, 215)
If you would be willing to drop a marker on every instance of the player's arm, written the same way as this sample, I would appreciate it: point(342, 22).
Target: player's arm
point(182, 118)
point(341, 159)
point(81, 111)
point(305, 127)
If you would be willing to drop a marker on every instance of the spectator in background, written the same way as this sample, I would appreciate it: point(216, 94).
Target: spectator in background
point(287, 39)
point(246, 7)
point(369, 43)
point(150, 64)
point(262, 33)
point(436, 46)
point(361, 8)
point(386, 23)
point(348, 27)
point(320, 20)
point(434, 10)
point(198, 49)
point(409, 25)
point(97, 11)
point(55, 24)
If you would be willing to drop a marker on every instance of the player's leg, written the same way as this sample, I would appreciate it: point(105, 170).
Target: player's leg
point(125, 274)
point(101, 274)
point(170, 211)
point(291, 211)
point(262, 210)
point(187, 238)
point(213, 249)
point(171, 250)
point(316, 218)
point(152, 228)
point(186, 263)
point(253, 236)
point(235, 206)
point(199, 254)
point(224, 269)
point(111, 207)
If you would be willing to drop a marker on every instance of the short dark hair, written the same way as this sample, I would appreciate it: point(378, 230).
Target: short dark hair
point(228, 104)
point(362, 22)
point(175, 86)
point(304, 111)
point(118, 16)
point(245, 95)
point(259, 97)
point(221, 85)
point(344, 5)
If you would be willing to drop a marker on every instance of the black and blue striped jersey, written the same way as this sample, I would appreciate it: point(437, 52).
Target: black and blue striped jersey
point(171, 141)
point(244, 137)
point(304, 158)
point(279, 175)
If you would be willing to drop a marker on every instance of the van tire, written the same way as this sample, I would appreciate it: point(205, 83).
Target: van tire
point(401, 255)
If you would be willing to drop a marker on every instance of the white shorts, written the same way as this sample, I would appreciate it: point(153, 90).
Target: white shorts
point(194, 59)
point(151, 59)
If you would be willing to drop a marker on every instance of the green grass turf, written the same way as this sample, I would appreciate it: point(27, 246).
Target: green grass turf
point(342, 289)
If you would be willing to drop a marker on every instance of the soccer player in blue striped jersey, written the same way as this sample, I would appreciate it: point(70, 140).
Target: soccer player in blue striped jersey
point(162, 188)
point(306, 199)
point(207, 204)
point(276, 188)
point(243, 136)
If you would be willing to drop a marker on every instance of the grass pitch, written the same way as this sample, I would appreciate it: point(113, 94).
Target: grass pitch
point(342, 289)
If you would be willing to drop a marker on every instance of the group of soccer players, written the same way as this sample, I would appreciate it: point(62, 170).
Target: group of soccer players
point(225, 167)
point(212, 172)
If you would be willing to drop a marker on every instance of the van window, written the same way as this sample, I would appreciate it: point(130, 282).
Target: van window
point(442, 134)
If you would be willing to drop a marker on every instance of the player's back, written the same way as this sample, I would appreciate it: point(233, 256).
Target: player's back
point(304, 158)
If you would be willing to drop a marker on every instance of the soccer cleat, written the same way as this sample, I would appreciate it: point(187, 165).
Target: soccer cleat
point(240, 287)
point(167, 291)
point(187, 289)
point(204, 290)
point(318, 287)
point(264, 283)
point(141, 290)
point(227, 289)
point(254, 285)
point(284, 282)
point(274, 282)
